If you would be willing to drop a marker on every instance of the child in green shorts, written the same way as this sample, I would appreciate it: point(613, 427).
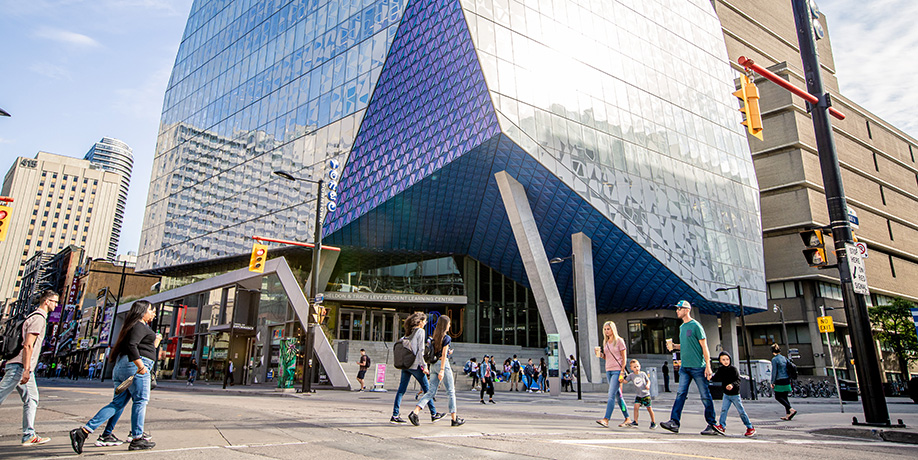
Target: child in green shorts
point(641, 382)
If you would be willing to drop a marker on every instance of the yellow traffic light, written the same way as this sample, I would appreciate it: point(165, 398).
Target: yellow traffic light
point(6, 217)
point(815, 251)
point(259, 256)
point(318, 313)
point(749, 94)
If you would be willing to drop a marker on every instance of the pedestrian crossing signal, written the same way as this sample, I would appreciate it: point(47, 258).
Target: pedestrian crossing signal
point(815, 251)
point(259, 256)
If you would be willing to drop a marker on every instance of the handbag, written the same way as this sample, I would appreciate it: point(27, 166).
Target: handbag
point(152, 380)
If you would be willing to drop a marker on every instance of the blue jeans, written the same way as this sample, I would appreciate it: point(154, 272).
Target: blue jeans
point(614, 395)
point(28, 393)
point(421, 377)
point(139, 392)
point(448, 383)
point(687, 375)
point(738, 402)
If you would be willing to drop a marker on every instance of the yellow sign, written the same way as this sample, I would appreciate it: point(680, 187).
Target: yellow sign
point(825, 324)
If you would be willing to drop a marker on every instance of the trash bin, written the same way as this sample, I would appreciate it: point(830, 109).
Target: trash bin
point(847, 389)
point(343, 347)
point(745, 389)
point(717, 390)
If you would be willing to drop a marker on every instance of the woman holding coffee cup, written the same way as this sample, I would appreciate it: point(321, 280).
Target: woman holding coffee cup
point(614, 351)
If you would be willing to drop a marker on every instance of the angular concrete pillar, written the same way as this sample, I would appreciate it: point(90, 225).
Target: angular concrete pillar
point(327, 261)
point(587, 322)
point(541, 279)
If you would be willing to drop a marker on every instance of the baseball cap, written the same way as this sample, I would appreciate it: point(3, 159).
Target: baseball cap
point(683, 304)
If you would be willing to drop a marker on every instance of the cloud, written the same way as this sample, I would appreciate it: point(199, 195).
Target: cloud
point(5, 141)
point(871, 46)
point(51, 71)
point(146, 99)
point(66, 37)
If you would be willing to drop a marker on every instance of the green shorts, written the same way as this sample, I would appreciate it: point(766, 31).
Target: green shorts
point(645, 401)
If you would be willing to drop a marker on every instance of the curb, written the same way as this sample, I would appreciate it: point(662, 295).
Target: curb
point(904, 437)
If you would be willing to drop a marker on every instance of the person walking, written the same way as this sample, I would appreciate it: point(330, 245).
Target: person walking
point(20, 369)
point(515, 369)
point(641, 383)
point(414, 331)
point(192, 372)
point(615, 353)
point(486, 374)
point(543, 376)
point(780, 381)
point(229, 374)
point(665, 377)
point(729, 376)
point(440, 342)
point(364, 363)
point(696, 367)
point(133, 354)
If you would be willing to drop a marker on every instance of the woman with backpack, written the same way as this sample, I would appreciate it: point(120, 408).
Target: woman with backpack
point(440, 344)
point(416, 338)
point(781, 380)
point(133, 355)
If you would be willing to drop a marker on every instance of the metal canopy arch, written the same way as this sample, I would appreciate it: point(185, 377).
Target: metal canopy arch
point(323, 349)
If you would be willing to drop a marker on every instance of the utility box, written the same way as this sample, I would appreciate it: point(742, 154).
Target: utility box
point(342, 350)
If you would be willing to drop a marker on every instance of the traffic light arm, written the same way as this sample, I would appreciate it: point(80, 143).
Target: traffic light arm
point(295, 243)
point(749, 64)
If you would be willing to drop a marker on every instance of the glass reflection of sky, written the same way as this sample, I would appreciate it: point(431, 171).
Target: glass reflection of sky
point(629, 102)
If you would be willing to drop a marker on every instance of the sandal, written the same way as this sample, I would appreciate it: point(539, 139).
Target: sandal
point(791, 415)
point(603, 423)
point(624, 424)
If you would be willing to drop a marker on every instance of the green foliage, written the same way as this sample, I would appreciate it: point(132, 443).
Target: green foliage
point(894, 328)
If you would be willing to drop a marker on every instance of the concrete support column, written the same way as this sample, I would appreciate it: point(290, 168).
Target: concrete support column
point(711, 331)
point(541, 279)
point(730, 338)
point(327, 261)
point(587, 322)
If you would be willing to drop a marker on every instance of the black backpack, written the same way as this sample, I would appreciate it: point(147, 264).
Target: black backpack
point(402, 354)
point(11, 340)
point(515, 366)
point(430, 353)
point(791, 369)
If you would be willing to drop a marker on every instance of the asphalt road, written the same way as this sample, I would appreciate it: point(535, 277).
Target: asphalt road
point(333, 424)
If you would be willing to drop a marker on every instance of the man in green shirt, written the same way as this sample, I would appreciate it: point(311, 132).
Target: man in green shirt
point(696, 366)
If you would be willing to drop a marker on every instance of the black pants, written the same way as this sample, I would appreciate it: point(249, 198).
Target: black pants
point(666, 383)
point(781, 397)
point(487, 386)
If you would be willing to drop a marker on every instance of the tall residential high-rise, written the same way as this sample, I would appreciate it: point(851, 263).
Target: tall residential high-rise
point(113, 155)
point(58, 201)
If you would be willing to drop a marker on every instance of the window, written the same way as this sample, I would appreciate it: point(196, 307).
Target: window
point(869, 134)
point(889, 227)
point(892, 267)
point(829, 291)
point(911, 153)
point(875, 164)
point(783, 290)
point(882, 196)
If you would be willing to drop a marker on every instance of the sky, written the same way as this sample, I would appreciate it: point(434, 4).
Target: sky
point(74, 71)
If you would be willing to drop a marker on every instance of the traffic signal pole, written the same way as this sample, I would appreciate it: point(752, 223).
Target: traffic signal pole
point(865, 353)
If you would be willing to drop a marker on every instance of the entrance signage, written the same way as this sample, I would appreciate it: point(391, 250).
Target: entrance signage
point(399, 298)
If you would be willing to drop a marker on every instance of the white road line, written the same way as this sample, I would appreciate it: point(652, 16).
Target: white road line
point(814, 442)
point(188, 449)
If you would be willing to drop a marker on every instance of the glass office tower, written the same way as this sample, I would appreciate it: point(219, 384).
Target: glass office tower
point(616, 116)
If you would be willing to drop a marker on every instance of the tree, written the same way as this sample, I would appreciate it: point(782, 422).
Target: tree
point(894, 328)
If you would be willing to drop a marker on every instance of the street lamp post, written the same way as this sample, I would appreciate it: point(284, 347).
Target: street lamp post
point(739, 294)
point(558, 260)
point(780, 310)
point(314, 290)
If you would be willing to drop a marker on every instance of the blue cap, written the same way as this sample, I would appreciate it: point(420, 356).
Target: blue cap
point(683, 304)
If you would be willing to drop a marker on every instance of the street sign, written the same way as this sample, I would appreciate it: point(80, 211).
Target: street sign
point(852, 218)
point(857, 268)
point(861, 249)
point(825, 324)
point(554, 337)
point(320, 297)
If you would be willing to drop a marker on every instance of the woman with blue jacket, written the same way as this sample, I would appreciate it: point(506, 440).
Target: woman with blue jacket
point(780, 381)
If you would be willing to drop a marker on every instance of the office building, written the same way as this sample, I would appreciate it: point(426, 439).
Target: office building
point(59, 201)
point(880, 177)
